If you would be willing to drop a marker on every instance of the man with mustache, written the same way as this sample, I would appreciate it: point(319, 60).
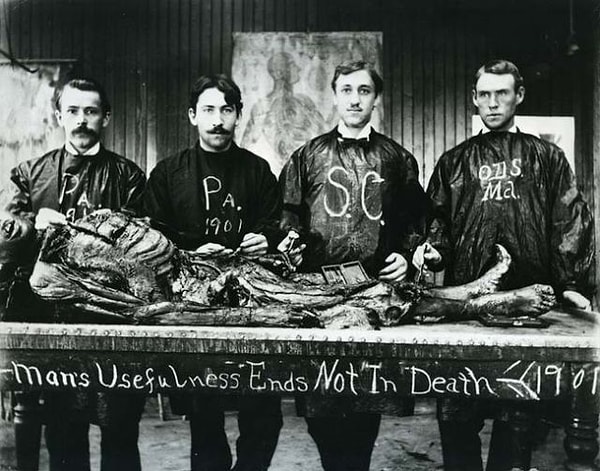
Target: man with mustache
point(216, 198)
point(61, 186)
point(506, 187)
point(353, 194)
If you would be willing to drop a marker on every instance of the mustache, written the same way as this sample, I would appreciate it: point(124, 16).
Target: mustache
point(219, 130)
point(81, 130)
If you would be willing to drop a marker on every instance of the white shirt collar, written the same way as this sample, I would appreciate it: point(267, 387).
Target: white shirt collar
point(513, 129)
point(91, 151)
point(365, 133)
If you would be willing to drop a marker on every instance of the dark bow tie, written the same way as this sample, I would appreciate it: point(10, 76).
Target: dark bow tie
point(362, 142)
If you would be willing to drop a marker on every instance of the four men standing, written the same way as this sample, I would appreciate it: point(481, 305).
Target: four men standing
point(352, 195)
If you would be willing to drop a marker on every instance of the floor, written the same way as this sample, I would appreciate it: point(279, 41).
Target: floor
point(407, 444)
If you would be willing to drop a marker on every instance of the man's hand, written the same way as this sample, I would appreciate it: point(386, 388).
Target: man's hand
point(426, 255)
point(396, 268)
point(577, 300)
point(213, 249)
point(47, 216)
point(254, 245)
point(294, 252)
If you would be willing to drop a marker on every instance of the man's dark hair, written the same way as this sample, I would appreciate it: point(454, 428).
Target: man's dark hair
point(354, 66)
point(85, 84)
point(500, 67)
point(233, 95)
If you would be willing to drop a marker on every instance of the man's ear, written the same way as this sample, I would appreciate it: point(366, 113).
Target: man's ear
point(192, 116)
point(58, 115)
point(474, 98)
point(520, 94)
point(106, 119)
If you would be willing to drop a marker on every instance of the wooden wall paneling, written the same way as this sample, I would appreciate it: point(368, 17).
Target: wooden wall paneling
point(450, 58)
point(238, 15)
point(4, 19)
point(216, 37)
point(183, 87)
point(408, 90)
point(261, 19)
point(140, 57)
point(16, 39)
point(132, 81)
point(393, 79)
point(112, 134)
point(418, 88)
point(392, 75)
point(279, 14)
point(226, 31)
point(459, 102)
point(26, 30)
point(38, 33)
point(248, 16)
point(207, 32)
point(162, 71)
point(150, 34)
point(430, 69)
point(289, 14)
point(311, 15)
point(437, 70)
point(173, 78)
point(301, 15)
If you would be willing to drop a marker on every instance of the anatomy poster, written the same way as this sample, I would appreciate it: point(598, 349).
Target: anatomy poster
point(28, 127)
point(285, 80)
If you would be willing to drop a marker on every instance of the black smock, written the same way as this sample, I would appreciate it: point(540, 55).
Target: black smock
point(516, 190)
point(197, 197)
point(76, 185)
point(353, 200)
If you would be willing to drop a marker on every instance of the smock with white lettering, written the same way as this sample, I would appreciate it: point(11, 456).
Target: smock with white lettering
point(353, 200)
point(516, 190)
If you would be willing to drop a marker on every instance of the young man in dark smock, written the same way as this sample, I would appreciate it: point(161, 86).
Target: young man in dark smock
point(511, 188)
point(353, 194)
point(212, 198)
point(59, 187)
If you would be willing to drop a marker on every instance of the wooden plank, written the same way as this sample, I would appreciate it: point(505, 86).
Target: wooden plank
point(151, 40)
point(132, 82)
point(270, 15)
point(408, 90)
point(216, 42)
point(440, 37)
point(449, 80)
point(205, 44)
point(312, 9)
point(227, 43)
point(426, 78)
point(173, 72)
point(238, 15)
point(461, 80)
point(248, 16)
point(186, 34)
point(394, 80)
point(142, 113)
point(162, 83)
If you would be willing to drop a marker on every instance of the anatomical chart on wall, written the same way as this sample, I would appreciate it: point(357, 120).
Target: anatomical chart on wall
point(285, 80)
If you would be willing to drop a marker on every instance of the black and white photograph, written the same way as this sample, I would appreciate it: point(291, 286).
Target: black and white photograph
point(299, 235)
